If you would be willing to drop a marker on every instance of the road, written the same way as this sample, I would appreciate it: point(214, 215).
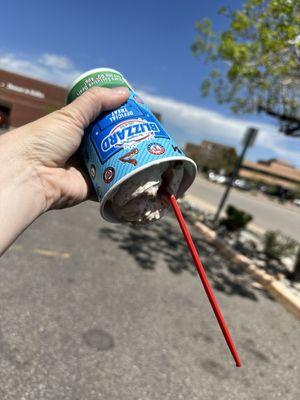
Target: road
point(267, 214)
point(91, 310)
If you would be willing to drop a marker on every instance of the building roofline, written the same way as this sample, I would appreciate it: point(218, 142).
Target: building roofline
point(41, 81)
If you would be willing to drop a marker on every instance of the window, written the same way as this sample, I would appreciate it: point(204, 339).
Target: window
point(4, 116)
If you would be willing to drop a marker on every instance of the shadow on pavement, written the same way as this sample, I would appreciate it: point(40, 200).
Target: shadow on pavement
point(163, 240)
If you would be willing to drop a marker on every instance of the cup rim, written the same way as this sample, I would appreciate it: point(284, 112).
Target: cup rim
point(187, 181)
point(92, 71)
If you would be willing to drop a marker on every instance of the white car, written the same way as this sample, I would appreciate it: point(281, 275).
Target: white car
point(212, 176)
point(297, 202)
point(217, 178)
point(221, 179)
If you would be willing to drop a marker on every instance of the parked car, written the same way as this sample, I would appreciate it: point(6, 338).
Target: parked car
point(222, 179)
point(241, 184)
point(297, 202)
point(263, 188)
point(213, 177)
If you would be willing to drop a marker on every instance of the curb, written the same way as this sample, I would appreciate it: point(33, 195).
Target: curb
point(277, 290)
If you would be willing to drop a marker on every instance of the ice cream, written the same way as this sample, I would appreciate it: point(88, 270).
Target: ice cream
point(141, 199)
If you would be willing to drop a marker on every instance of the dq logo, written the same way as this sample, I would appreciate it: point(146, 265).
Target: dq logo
point(128, 133)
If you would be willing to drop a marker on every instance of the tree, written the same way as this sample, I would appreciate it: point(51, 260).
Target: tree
point(257, 60)
point(212, 156)
point(223, 159)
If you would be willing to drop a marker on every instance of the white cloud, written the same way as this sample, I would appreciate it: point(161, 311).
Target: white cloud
point(56, 61)
point(192, 119)
point(49, 67)
point(195, 122)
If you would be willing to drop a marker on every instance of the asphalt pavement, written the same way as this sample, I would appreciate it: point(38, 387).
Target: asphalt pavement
point(267, 214)
point(92, 310)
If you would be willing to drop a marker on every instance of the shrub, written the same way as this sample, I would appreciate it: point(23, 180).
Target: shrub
point(277, 245)
point(235, 219)
point(295, 275)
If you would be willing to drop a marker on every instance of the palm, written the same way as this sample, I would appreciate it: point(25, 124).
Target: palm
point(52, 145)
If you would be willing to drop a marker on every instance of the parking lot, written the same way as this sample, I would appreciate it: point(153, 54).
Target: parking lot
point(92, 310)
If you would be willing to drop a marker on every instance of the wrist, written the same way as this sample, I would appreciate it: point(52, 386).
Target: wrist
point(19, 176)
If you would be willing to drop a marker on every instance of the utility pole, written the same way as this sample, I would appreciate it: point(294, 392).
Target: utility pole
point(248, 141)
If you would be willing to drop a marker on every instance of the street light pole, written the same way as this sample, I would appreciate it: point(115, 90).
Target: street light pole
point(248, 141)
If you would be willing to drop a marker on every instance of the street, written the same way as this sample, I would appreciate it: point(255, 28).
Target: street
point(266, 213)
point(92, 310)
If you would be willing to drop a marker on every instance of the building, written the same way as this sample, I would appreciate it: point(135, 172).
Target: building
point(24, 99)
point(212, 155)
point(272, 172)
point(193, 150)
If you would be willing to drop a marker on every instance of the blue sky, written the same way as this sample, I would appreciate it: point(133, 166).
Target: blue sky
point(149, 42)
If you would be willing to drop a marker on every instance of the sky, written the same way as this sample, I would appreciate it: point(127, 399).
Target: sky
point(150, 43)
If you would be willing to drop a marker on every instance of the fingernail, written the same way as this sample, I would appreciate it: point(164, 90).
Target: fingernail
point(120, 90)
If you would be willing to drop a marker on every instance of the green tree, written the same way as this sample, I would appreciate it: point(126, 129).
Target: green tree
point(220, 158)
point(223, 160)
point(257, 60)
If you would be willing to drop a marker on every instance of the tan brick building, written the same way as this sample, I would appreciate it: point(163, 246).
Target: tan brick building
point(272, 172)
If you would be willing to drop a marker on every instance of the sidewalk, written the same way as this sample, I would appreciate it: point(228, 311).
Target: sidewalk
point(278, 290)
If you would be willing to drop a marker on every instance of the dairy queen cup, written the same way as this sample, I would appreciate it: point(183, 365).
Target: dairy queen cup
point(131, 159)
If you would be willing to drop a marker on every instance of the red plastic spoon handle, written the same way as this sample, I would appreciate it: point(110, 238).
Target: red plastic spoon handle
point(204, 280)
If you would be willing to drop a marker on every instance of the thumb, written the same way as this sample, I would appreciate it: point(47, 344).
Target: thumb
point(83, 110)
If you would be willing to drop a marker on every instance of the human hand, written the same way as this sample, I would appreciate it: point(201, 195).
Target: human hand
point(48, 144)
point(39, 169)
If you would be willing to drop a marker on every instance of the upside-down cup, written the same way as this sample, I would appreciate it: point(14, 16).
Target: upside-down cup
point(125, 142)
